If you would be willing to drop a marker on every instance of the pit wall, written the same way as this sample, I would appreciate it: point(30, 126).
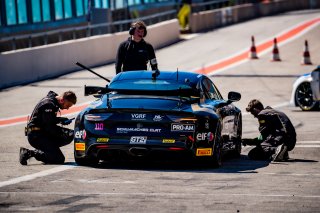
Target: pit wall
point(208, 20)
point(43, 62)
point(34, 64)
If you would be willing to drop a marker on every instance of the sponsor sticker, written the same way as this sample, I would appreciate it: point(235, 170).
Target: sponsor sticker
point(182, 127)
point(102, 140)
point(204, 152)
point(80, 134)
point(138, 117)
point(98, 126)
point(80, 146)
point(204, 136)
point(168, 141)
point(158, 118)
point(138, 140)
point(127, 130)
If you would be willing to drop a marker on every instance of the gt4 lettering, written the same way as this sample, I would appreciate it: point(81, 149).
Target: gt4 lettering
point(204, 152)
point(183, 127)
point(138, 140)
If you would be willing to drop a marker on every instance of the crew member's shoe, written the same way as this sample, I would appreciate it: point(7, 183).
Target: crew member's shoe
point(24, 155)
point(280, 153)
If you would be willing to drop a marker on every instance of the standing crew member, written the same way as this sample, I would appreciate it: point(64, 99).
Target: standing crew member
point(135, 53)
point(43, 132)
point(278, 136)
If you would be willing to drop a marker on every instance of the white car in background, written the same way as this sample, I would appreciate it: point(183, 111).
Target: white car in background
point(306, 91)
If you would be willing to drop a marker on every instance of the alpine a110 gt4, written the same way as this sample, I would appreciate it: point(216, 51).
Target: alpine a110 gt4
point(146, 114)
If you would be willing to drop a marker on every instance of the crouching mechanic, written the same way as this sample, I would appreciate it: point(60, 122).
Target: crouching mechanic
point(278, 136)
point(43, 131)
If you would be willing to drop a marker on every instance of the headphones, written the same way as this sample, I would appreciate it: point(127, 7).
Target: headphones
point(140, 25)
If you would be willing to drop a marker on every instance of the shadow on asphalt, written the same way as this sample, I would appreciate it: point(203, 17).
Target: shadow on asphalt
point(230, 165)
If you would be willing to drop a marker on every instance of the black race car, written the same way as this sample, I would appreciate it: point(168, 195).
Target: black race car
point(146, 114)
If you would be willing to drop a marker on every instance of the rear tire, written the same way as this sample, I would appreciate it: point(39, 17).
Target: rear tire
point(304, 97)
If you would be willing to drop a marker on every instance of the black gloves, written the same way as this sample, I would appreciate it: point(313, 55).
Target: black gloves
point(65, 121)
point(250, 141)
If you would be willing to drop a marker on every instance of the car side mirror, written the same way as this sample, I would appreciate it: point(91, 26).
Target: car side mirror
point(234, 96)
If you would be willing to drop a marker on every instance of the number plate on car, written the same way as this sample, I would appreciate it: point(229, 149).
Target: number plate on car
point(138, 140)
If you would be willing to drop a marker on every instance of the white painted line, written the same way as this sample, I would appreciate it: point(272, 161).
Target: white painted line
point(165, 194)
point(307, 142)
point(307, 146)
point(36, 175)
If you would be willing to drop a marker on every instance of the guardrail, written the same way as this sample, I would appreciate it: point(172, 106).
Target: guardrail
point(60, 35)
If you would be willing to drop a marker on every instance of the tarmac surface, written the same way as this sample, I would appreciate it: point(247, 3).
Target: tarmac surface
point(240, 185)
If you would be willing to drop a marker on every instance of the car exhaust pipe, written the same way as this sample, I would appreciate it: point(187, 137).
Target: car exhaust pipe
point(138, 151)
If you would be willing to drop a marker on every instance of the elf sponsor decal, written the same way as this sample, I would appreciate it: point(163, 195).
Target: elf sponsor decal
point(138, 140)
point(205, 136)
point(127, 130)
point(102, 140)
point(80, 146)
point(204, 152)
point(80, 134)
point(138, 117)
point(182, 127)
point(168, 141)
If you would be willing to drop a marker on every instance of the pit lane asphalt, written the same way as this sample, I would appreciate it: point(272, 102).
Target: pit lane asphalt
point(239, 185)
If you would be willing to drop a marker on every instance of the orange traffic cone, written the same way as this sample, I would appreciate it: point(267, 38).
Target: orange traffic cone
point(275, 51)
point(253, 50)
point(306, 55)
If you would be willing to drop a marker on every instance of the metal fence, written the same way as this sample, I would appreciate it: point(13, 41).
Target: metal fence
point(60, 35)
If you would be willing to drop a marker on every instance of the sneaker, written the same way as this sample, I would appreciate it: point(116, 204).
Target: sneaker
point(286, 156)
point(24, 155)
point(280, 153)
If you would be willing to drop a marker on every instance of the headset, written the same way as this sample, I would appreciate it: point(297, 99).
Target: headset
point(141, 25)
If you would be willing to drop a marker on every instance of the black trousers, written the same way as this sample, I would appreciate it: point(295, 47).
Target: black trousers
point(265, 149)
point(48, 147)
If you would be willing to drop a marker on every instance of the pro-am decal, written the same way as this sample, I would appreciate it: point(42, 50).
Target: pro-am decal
point(138, 140)
point(177, 127)
point(204, 152)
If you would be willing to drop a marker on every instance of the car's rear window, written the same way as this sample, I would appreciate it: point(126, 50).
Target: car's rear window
point(148, 85)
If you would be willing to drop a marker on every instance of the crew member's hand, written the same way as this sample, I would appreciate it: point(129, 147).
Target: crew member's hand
point(65, 121)
point(246, 141)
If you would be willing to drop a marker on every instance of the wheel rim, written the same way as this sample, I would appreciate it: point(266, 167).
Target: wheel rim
point(304, 96)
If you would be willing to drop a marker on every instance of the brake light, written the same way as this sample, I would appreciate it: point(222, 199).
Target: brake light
point(175, 149)
point(102, 146)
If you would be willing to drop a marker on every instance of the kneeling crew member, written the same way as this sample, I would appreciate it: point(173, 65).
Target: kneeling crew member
point(278, 135)
point(135, 53)
point(43, 132)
